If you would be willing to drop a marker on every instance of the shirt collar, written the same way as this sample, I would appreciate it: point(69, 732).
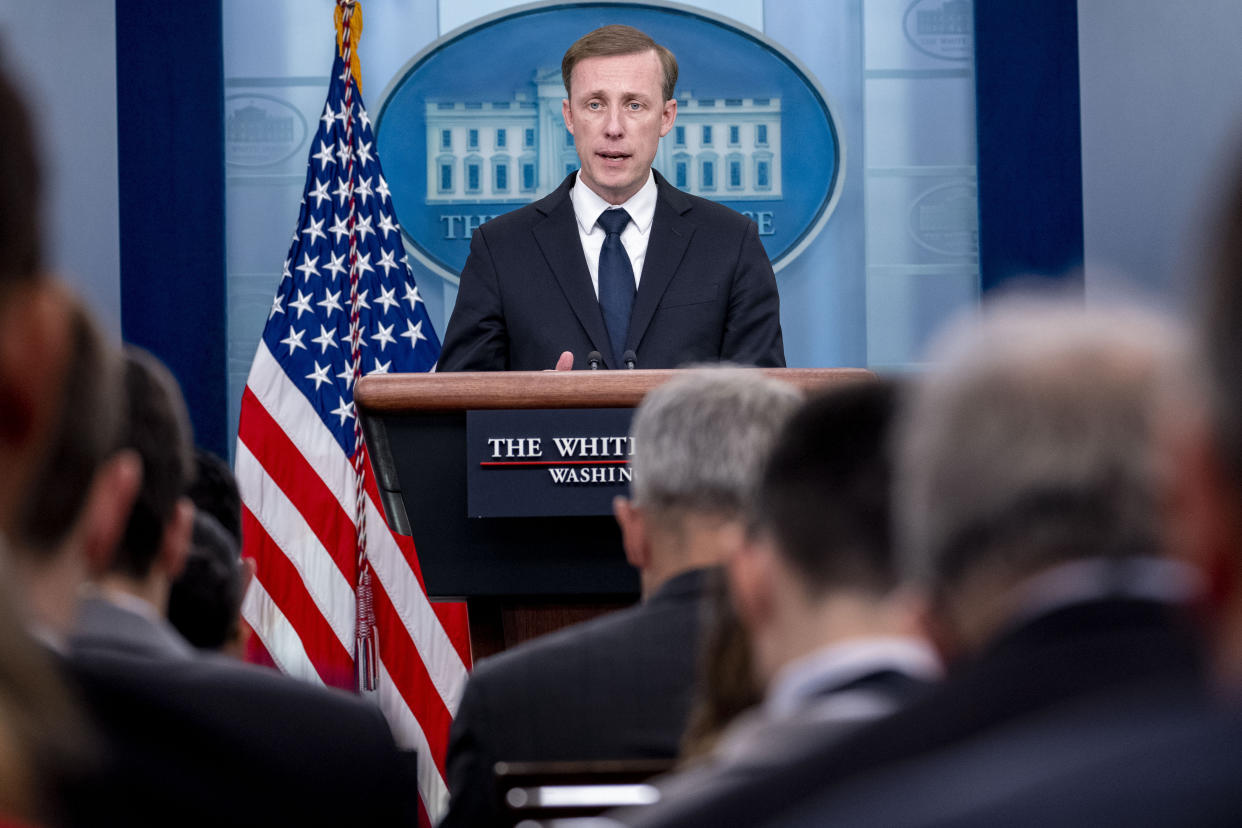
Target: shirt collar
point(641, 206)
point(126, 601)
point(1090, 579)
point(838, 664)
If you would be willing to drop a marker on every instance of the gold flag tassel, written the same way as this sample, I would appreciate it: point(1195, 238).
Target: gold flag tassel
point(355, 31)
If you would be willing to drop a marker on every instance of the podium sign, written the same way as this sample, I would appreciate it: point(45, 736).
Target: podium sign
point(546, 462)
point(428, 434)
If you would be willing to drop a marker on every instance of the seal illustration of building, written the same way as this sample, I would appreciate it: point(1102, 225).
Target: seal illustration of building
point(517, 150)
point(951, 18)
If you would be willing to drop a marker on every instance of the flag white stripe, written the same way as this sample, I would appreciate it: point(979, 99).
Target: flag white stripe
point(409, 735)
point(277, 634)
point(332, 593)
point(293, 413)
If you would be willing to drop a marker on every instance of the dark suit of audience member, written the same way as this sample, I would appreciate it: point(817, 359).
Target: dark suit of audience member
point(619, 687)
point(1029, 481)
point(814, 589)
point(1152, 760)
point(196, 739)
point(1128, 657)
point(205, 740)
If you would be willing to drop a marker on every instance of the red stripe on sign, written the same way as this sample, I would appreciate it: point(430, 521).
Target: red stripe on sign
point(553, 462)
point(282, 581)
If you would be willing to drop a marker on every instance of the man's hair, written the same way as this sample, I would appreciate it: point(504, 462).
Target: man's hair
point(1031, 442)
point(609, 41)
point(214, 491)
point(824, 494)
point(205, 599)
point(90, 418)
point(20, 188)
point(158, 429)
point(700, 439)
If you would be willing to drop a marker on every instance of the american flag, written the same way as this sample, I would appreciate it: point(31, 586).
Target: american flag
point(334, 586)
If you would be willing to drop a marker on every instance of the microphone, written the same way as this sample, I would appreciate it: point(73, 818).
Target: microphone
point(630, 359)
point(594, 360)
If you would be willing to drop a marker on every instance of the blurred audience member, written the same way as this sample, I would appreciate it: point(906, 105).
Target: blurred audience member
point(214, 491)
point(205, 602)
point(1161, 763)
point(196, 739)
point(1030, 481)
point(831, 638)
point(54, 430)
point(132, 586)
point(619, 687)
point(724, 684)
point(35, 338)
point(63, 523)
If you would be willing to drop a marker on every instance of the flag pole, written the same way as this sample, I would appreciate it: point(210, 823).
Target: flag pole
point(366, 649)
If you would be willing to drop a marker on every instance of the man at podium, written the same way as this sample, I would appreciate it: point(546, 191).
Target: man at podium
point(616, 268)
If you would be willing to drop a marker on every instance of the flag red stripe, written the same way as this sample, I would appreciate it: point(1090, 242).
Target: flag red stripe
point(410, 676)
point(297, 478)
point(456, 622)
point(284, 584)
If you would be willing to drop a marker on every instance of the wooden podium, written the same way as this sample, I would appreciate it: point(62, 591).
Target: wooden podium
point(520, 576)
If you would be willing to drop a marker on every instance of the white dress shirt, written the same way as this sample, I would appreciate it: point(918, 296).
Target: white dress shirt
point(587, 208)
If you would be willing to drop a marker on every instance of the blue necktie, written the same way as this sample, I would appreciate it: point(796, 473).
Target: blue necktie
point(616, 281)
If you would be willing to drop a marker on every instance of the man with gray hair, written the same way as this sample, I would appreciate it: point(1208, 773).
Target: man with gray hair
point(1029, 484)
point(619, 687)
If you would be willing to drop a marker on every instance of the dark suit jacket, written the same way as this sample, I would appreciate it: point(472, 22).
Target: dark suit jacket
point(1156, 759)
point(755, 743)
point(1098, 652)
point(618, 687)
point(706, 294)
point(202, 740)
point(1168, 769)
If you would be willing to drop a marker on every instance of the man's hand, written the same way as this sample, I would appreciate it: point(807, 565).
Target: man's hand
point(565, 362)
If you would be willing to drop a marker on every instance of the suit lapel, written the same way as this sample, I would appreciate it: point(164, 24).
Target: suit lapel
point(557, 236)
point(670, 234)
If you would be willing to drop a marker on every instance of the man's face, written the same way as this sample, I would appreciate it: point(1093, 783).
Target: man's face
point(617, 114)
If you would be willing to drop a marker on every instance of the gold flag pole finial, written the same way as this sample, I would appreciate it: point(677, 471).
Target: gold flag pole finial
point(348, 49)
